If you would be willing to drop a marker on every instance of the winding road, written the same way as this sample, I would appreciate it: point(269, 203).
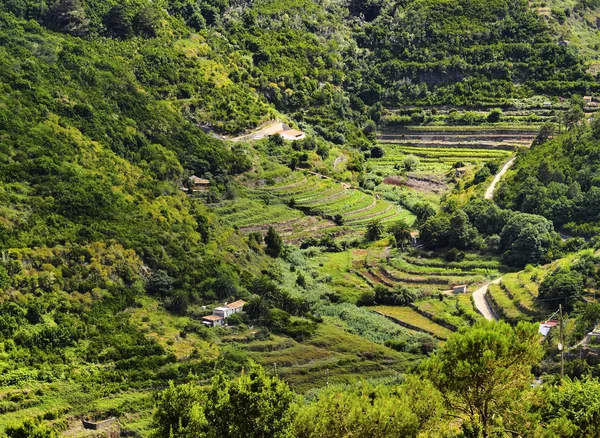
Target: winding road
point(481, 303)
point(489, 194)
point(479, 295)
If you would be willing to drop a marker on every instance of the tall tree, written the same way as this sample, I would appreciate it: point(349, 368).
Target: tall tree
point(482, 372)
point(401, 232)
point(374, 230)
point(252, 406)
point(274, 243)
point(68, 16)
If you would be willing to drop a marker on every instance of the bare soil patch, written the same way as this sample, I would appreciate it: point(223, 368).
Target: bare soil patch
point(423, 183)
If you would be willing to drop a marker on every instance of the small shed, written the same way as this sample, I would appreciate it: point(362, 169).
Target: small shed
point(213, 320)
point(199, 184)
point(547, 104)
point(459, 289)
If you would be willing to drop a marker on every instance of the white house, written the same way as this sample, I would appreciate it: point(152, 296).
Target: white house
point(220, 314)
point(292, 134)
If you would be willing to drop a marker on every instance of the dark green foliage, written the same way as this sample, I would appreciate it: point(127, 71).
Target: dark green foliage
point(527, 239)
point(160, 283)
point(572, 406)
point(273, 242)
point(377, 152)
point(561, 287)
point(374, 230)
point(435, 232)
point(462, 52)
point(557, 179)
point(482, 174)
point(495, 115)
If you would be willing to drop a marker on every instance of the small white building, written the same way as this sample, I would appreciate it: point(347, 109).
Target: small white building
point(292, 134)
point(459, 289)
point(220, 314)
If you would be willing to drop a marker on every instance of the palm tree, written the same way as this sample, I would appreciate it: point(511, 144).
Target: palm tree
point(374, 230)
point(401, 232)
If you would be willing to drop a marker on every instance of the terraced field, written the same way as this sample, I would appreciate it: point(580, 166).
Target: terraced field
point(305, 205)
point(411, 317)
point(331, 355)
point(440, 147)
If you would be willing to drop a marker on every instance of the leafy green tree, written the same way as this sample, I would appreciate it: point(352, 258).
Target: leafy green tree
point(160, 283)
point(562, 287)
point(411, 163)
point(573, 115)
point(374, 230)
point(146, 22)
point(423, 211)
point(462, 234)
point(546, 131)
point(253, 405)
point(274, 243)
point(483, 371)
point(482, 174)
point(435, 232)
point(495, 115)
point(571, 408)
point(180, 412)
point(401, 232)
point(528, 238)
point(119, 21)
point(377, 152)
point(367, 411)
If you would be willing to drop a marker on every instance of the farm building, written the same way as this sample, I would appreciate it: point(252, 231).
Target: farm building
point(292, 134)
point(198, 184)
point(460, 172)
point(220, 314)
point(546, 326)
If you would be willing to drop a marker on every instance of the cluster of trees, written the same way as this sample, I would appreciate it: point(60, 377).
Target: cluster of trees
point(557, 179)
point(522, 238)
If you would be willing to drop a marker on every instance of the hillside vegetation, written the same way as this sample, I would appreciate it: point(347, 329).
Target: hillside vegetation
point(108, 262)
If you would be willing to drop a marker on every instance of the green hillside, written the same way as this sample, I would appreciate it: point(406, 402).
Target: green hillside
point(109, 260)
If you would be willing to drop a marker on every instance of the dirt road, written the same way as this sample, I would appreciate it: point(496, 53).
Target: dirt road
point(489, 194)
